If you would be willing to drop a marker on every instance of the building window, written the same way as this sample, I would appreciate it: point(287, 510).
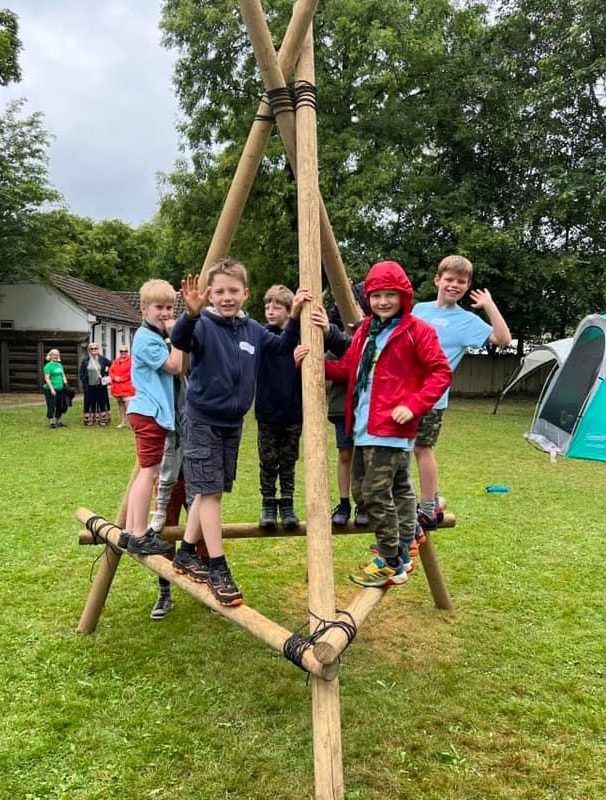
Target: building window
point(7, 324)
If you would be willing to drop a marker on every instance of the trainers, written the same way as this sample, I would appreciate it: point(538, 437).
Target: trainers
point(427, 522)
point(223, 586)
point(123, 540)
point(341, 515)
point(420, 538)
point(162, 606)
point(190, 564)
point(378, 573)
point(150, 544)
point(361, 517)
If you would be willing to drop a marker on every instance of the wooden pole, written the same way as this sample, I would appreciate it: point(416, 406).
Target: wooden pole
point(273, 78)
point(246, 617)
point(434, 575)
point(105, 574)
point(257, 140)
point(251, 530)
point(332, 644)
point(328, 757)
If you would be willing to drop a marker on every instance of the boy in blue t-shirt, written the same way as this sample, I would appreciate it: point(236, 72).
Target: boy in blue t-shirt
point(457, 330)
point(151, 412)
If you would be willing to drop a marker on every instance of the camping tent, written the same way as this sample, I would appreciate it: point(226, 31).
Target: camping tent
point(554, 352)
point(571, 412)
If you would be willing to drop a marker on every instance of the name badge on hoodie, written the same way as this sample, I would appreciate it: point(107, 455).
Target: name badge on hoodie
point(247, 347)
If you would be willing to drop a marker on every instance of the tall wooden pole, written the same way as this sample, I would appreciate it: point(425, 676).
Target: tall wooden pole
point(105, 574)
point(328, 758)
point(273, 78)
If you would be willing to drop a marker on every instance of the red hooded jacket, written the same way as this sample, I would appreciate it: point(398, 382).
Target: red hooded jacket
point(411, 369)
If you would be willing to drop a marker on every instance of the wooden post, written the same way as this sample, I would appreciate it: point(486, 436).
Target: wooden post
point(433, 573)
point(273, 78)
point(328, 758)
point(246, 617)
point(105, 574)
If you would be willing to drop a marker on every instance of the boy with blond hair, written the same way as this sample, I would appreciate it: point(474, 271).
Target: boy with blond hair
point(225, 347)
point(457, 330)
point(279, 415)
point(151, 413)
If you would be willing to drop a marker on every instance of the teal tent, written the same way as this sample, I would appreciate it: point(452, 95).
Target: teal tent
point(570, 417)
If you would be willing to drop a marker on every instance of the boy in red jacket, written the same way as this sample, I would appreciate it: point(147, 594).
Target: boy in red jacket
point(395, 372)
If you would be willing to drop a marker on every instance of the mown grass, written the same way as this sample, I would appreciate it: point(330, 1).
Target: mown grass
point(503, 698)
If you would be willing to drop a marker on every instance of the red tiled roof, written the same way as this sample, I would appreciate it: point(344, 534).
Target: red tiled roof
point(103, 303)
point(132, 298)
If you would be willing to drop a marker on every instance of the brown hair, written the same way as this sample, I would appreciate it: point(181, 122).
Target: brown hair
point(227, 266)
point(457, 264)
point(157, 291)
point(280, 294)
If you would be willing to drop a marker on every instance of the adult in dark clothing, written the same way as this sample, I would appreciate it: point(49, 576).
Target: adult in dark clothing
point(95, 380)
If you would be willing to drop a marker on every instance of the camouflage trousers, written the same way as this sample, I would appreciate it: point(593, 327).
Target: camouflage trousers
point(278, 447)
point(380, 480)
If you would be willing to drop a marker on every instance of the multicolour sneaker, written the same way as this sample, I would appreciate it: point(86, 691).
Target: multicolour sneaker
point(223, 586)
point(378, 573)
point(190, 564)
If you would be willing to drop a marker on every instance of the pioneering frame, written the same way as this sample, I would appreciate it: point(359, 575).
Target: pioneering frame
point(294, 112)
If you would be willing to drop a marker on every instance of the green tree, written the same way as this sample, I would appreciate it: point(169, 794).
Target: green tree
point(24, 194)
point(10, 46)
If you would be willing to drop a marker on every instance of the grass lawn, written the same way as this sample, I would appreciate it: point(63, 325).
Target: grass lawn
point(503, 698)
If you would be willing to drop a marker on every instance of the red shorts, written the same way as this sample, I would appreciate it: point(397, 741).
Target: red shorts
point(149, 439)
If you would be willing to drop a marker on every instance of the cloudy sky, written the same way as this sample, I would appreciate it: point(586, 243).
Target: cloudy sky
point(97, 71)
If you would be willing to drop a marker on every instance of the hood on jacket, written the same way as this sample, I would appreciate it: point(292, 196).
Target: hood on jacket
point(389, 275)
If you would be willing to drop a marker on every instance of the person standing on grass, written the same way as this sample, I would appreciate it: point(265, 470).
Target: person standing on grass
point(151, 413)
point(395, 370)
point(54, 383)
point(457, 330)
point(225, 347)
point(94, 377)
point(122, 388)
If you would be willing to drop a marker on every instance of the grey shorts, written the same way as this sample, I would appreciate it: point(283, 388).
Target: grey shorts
point(429, 428)
point(210, 458)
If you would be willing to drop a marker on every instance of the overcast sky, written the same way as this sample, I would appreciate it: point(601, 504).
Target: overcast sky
point(97, 71)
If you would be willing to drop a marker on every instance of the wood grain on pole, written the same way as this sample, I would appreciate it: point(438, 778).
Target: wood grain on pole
point(258, 137)
point(434, 575)
point(326, 713)
point(246, 617)
point(273, 78)
point(105, 574)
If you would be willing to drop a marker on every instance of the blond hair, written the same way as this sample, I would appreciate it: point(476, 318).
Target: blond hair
point(51, 351)
point(458, 264)
point(280, 294)
point(157, 290)
point(227, 266)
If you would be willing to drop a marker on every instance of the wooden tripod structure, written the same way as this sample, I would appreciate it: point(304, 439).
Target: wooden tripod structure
point(296, 121)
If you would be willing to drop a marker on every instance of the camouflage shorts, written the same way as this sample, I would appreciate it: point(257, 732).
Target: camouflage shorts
point(429, 428)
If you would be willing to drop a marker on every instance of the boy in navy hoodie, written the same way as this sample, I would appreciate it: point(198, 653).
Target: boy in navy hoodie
point(225, 347)
point(279, 414)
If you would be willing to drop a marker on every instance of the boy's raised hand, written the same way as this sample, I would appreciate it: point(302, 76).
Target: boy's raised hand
point(300, 297)
point(194, 299)
point(319, 317)
point(402, 415)
point(481, 298)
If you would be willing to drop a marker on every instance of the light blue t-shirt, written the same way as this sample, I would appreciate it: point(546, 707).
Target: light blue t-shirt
point(457, 330)
point(154, 386)
point(360, 433)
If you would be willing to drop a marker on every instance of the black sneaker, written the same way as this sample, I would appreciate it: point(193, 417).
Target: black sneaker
point(162, 606)
point(341, 515)
point(269, 514)
point(190, 564)
point(290, 521)
point(150, 544)
point(223, 586)
point(361, 517)
point(123, 540)
point(427, 522)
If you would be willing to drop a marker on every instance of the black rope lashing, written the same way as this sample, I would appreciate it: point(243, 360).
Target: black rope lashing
point(105, 525)
point(305, 95)
point(281, 100)
point(264, 117)
point(296, 645)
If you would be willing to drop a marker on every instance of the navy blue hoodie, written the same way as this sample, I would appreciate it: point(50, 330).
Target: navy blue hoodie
point(278, 398)
point(225, 356)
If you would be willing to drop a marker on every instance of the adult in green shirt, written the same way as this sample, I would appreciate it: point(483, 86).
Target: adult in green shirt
point(54, 383)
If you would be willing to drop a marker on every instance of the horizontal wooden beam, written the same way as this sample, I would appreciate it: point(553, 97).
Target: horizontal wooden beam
point(246, 617)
